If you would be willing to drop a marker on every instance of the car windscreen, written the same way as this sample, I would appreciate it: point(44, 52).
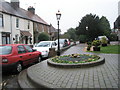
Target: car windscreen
point(4, 50)
point(43, 44)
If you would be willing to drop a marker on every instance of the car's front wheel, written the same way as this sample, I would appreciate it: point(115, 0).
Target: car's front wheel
point(39, 59)
point(18, 68)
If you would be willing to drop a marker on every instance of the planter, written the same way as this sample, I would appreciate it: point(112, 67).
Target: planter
point(76, 61)
point(104, 45)
point(96, 48)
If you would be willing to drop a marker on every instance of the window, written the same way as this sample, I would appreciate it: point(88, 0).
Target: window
point(1, 20)
point(28, 24)
point(42, 28)
point(21, 49)
point(54, 44)
point(29, 49)
point(17, 22)
point(48, 30)
point(4, 50)
point(36, 27)
point(5, 38)
point(16, 38)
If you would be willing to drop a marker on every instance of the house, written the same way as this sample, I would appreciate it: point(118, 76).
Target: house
point(18, 25)
point(117, 27)
point(53, 33)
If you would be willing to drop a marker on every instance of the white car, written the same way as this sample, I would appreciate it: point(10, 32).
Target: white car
point(100, 38)
point(63, 42)
point(44, 46)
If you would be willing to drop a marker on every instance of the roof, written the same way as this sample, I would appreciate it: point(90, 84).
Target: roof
point(52, 29)
point(26, 33)
point(6, 7)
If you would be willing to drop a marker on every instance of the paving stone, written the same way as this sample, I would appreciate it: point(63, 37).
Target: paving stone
point(101, 76)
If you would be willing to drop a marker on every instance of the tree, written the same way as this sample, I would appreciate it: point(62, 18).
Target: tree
point(105, 26)
point(43, 37)
point(72, 34)
point(96, 27)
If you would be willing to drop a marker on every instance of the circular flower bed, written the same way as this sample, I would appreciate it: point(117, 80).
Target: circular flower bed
point(76, 60)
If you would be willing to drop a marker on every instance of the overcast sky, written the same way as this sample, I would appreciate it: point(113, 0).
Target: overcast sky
point(72, 10)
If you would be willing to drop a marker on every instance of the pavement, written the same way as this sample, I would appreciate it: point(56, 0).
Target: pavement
point(105, 76)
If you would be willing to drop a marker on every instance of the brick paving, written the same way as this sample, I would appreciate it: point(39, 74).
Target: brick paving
point(101, 76)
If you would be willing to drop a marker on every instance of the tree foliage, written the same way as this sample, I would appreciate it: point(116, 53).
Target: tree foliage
point(43, 37)
point(96, 27)
point(105, 26)
point(70, 34)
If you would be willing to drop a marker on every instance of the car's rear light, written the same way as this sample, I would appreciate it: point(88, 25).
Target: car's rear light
point(4, 60)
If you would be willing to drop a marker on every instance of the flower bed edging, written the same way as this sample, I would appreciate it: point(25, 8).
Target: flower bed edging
point(79, 65)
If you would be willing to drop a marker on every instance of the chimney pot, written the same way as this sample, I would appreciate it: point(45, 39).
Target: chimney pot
point(31, 9)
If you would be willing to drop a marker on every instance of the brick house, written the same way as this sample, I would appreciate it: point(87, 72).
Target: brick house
point(18, 25)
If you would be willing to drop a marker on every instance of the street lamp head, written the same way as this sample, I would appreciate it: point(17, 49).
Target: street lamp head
point(86, 27)
point(58, 15)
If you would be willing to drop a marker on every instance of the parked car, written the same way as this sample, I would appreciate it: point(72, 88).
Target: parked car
point(63, 42)
point(44, 47)
point(15, 56)
point(100, 38)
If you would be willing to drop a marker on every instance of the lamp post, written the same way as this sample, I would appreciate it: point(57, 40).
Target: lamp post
point(58, 15)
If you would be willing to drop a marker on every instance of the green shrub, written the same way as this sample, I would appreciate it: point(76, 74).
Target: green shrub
point(43, 37)
point(104, 40)
point(96, 43)
point(83, 38)
point(88, 47)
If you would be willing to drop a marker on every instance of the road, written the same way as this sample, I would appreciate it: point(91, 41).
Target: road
point(9, 77)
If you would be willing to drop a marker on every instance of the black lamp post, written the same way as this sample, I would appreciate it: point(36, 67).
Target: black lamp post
point(58, 15)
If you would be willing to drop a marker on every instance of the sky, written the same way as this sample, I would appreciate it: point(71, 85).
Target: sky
point(72, 10)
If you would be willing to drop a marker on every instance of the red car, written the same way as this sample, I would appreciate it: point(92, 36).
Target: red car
point(15, 56)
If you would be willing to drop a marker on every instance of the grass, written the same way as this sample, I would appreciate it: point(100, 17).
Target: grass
point(113, 49)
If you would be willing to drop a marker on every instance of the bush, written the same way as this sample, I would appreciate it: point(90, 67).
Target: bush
point(89, 45)
point(83, 38)
point(43, 37)
point(113, 37)
point(104, 40)
point(96, 43)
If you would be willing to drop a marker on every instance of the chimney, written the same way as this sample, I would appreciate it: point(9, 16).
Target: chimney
point(31, 9)
point(15, 4)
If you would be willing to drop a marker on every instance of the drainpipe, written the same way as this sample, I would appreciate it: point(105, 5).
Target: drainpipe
point(11, 41)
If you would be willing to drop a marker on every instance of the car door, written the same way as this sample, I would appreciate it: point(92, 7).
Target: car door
point(22, 55)
point(32, 55)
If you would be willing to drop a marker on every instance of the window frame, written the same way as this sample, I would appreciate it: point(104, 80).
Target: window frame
point(2, 23)
point(28, 25)
point(17, 22)
point(26, 47)
point(21, 51)
point(6, 38)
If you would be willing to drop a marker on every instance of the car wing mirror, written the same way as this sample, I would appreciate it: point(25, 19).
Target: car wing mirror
point(34, 50)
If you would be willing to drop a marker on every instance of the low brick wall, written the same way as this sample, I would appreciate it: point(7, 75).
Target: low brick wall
point(79, 65)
